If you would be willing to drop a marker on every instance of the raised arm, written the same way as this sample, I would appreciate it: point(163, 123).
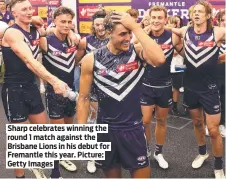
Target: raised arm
point(148, 49)
point(220, 34)
point(178, 31)
point(80, 51)
point(21, 49)
point(43, 41)
point(86, 80)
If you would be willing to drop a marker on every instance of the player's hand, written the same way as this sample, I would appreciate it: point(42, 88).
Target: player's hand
point(37, 22)
point(73, 39)
point(60, 87)
point(125, 19)
point(42, 31)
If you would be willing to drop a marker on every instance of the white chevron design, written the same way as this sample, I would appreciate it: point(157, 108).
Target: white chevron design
point(59, 66)
point(166, 56)
point(66, 55)
point(112, 73)
point(116, 85)
point(201, 61)
point(36, 53)
point(29, 44)
point(126, 91)
point(223, 45)
point(61, 60)
point(200, 54)
point(167, 42)
point(223, 48)
point(193, 46)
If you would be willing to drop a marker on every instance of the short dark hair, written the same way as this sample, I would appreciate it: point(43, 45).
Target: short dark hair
point(63, 10)
point(99, 14)
point(14, 2)
point(108, 24)
point(2, 1)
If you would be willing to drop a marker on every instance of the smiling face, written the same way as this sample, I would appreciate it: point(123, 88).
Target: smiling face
point(22, 11)
point(63, 23)
point(158, 20)
point(98, 25)
point(121, 37)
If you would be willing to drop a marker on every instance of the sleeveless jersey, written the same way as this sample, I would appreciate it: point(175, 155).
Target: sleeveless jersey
point(201, 55)
point(60, 59)
point(16, 70)
point(117, 83)
point(160, 76)
point(94, 43)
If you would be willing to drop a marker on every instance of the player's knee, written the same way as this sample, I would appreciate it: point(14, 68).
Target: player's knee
point(161, 121)
point(198, 123)
point(214, 132)
point(146, 121)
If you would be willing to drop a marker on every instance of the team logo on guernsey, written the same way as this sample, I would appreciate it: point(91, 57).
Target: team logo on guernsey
point(197, 37)
point(65, 45)
point(103, 72)
point(56, 53)
point(188, 42)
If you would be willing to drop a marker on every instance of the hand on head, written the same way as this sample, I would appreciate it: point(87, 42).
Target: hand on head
point(125, 19)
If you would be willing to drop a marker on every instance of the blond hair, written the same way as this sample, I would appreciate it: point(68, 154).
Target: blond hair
point(173, 20)
point(14, 2)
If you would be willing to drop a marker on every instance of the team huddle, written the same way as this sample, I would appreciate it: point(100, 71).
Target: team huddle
point(123, 74)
